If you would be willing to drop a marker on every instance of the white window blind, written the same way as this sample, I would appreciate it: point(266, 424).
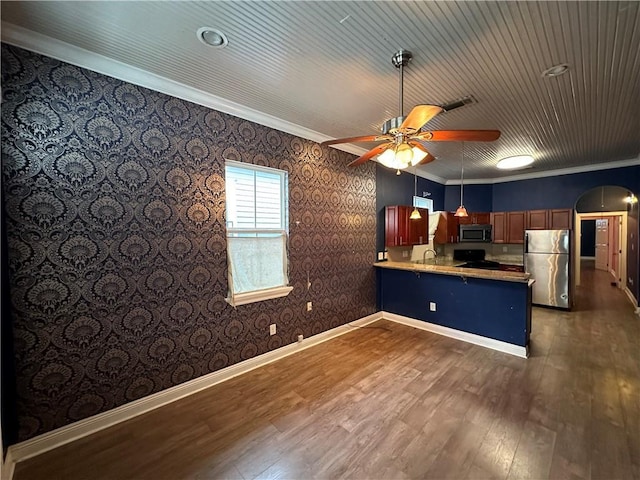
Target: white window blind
point(257, 228)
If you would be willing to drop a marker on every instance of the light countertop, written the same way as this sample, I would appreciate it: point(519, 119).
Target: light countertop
point(446, 266)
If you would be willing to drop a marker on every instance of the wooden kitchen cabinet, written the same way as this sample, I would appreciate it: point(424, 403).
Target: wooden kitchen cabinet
point(477, 218)
point(400, 230)
point(537, 219)
point(447, 229)
point(515, 225)
point(557, 219)
point(560, 219)
point(499, 227)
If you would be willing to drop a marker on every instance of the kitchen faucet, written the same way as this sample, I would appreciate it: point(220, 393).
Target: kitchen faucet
point(424, 254)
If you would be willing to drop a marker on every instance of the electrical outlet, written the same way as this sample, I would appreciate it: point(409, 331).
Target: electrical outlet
point(300, 338)
point(505, 249)
point(309, 306)
point(432, 306)
point(380, 255)
point(272, 329)
point(405, 254)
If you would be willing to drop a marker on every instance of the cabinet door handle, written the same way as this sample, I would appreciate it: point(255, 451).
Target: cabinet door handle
point(400, 240)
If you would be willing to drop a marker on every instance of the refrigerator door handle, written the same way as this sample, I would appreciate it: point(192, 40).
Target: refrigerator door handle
point(526, 243)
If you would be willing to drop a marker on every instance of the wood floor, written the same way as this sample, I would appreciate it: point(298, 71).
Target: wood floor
point(392, 402)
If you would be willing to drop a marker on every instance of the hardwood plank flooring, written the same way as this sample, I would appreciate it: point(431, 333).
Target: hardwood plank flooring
point(390, 401)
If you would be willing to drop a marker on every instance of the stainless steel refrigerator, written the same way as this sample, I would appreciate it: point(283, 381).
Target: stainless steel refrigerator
point(547, 257)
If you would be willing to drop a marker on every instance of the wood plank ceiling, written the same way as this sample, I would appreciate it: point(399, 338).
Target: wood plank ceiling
point(323, 69)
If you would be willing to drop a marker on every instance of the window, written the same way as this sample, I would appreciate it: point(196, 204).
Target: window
point(422, 202)
point(257, 232)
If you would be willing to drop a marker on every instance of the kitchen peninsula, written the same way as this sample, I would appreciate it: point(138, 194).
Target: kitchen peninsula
point(486, 307)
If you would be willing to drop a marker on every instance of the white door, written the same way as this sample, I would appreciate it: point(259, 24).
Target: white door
point(602, 244)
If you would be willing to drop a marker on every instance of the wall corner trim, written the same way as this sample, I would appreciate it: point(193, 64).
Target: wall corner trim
point(498, 345)
point(82, 428)
point(8, 467)
point(633, 300)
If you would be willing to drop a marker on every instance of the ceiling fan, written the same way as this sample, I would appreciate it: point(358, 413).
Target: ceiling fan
point(403, 136)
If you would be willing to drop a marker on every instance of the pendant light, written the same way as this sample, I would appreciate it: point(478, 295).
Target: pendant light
point(461, 211)
point(415, 215)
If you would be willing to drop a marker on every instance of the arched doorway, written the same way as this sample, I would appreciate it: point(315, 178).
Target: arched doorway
point(607, 207)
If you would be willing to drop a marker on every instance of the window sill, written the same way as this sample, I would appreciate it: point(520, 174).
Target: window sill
point(258, 295)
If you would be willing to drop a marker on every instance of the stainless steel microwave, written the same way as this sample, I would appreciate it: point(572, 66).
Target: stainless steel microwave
point(475, 233)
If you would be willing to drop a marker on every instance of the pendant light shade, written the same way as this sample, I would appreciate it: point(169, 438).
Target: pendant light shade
point(461, 211)
point(415, 215)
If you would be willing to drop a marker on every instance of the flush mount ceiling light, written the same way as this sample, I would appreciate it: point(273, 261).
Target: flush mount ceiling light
point(556, 70)
point(511, 163)
point(212, 37)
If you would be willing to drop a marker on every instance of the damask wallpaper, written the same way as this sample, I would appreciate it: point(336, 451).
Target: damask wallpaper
point(115, 201)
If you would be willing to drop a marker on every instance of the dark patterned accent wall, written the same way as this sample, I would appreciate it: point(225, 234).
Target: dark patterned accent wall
point(115, 201)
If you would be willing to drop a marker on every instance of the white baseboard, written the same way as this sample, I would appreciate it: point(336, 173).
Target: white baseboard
point(68, 433)
point(633, 300)
point(498, 345)
point(8, 466)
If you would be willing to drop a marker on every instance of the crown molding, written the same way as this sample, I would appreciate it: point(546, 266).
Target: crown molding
point(51, 47)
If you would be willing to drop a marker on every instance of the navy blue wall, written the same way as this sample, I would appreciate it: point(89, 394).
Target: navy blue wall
point(588, 240)
point(559, 192)
point(476, 198)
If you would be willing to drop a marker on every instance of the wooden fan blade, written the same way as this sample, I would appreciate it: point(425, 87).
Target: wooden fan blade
point(458, 136)
point(420, 115)
point(429, 158)
point(366, 138)
point(371, 153)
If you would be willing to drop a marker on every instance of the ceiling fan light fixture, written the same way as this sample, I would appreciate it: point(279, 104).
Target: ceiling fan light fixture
point(418, 156)
point(512, 163)
point(404, 154)
point(397, 158)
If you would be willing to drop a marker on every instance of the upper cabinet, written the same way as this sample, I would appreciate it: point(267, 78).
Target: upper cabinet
point(499, 227)
point(447, 231)
point(477, 218)
point(509, 227)
point(400, 230)
point(561, 219)
point(537, 219)
point(515, 227)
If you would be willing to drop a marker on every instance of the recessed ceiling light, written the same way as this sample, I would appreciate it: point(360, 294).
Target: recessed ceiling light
point(212, 37)
point(556, 70)
point(511, 163)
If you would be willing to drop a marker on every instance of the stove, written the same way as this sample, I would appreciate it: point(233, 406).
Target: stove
point(474, 258)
